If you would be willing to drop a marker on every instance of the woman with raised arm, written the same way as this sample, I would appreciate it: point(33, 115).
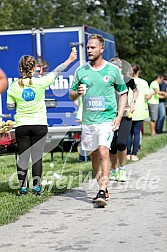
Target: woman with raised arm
point(27, 95)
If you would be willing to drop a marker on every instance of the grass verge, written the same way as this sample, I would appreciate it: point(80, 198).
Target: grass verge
point(12, 205)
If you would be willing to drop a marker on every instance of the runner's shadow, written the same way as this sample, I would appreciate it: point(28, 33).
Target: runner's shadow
point(79, 194)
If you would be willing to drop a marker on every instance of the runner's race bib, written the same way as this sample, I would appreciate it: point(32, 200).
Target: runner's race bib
point(95, 103)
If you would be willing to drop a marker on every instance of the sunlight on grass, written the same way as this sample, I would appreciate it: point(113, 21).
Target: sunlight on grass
point(12, 205)
point(74, 173)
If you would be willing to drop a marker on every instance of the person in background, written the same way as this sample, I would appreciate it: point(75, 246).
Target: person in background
point(118, 146)
point(27, 95)
point(139, 114)
point(3, 81)
point(154, 101)
point(161, 107)
point(96, 81)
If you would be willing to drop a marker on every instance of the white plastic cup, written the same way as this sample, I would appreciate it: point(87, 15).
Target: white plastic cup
point(84, 87)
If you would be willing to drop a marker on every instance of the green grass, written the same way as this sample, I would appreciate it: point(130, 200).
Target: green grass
point(12, 205)
point(151, 144)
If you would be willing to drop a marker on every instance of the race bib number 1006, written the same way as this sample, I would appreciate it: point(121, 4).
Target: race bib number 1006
point(95, 103)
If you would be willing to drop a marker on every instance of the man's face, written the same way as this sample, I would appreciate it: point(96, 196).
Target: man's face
point(94, 49)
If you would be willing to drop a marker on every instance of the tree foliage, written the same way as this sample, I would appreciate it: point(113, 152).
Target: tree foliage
point(139, 27)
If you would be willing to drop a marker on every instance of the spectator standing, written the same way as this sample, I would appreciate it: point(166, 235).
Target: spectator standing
point(139, 114)
point(161, 107)
point(154, 101)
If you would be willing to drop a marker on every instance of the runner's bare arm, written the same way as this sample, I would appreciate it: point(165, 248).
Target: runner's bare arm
point(121, 108)
point(3, 81)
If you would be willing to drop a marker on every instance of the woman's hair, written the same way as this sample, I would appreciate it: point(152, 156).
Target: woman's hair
point(98, 37)
point(136, 68)
point(26, 67)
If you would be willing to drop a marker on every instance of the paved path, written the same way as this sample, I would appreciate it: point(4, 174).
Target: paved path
point(135, 219)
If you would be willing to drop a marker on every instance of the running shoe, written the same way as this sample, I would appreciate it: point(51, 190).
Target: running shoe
point(114, 175)
point(128, 157)
point(36, 191)
point(23, 190)
point(134, 158)
point(107, 196)
point(101, 199)
point(122, 176)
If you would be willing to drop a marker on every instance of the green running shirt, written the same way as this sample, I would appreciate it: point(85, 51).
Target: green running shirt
point(99, 102)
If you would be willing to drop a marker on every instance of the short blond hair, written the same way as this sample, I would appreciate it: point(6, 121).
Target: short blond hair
point(98, 37)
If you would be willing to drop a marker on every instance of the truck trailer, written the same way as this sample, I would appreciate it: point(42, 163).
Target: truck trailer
point(50, 47)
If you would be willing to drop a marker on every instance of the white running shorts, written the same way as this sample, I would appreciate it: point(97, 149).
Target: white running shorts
point(94, 135)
